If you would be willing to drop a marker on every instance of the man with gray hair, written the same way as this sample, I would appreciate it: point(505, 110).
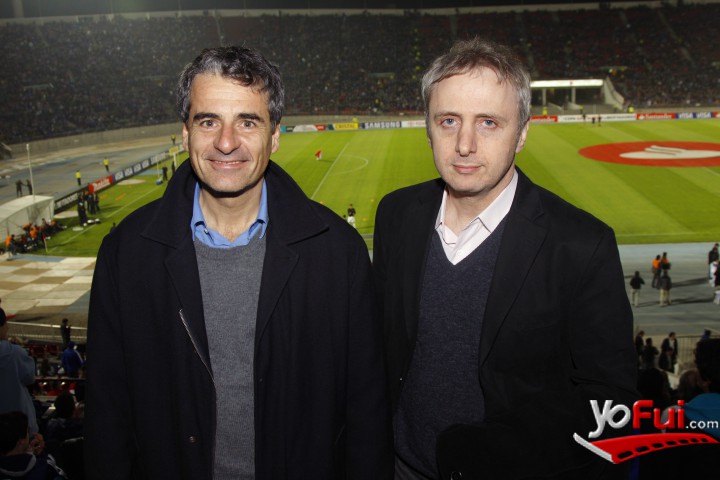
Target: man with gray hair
point(504, 306)
point(232, 330)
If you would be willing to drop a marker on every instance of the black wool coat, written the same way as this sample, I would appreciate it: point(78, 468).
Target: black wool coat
point(321, 410)
point(557, 332)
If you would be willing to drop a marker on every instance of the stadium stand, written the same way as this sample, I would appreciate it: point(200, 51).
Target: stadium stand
point(86, 74)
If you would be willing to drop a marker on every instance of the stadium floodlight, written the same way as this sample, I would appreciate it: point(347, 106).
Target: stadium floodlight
point(32, 182)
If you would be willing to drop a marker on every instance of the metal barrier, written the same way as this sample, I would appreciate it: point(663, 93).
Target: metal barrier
point(686, 351)
point(44, 332)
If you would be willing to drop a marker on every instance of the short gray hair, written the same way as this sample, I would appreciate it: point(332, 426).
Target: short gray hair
point(242, 64)
point(467, 55)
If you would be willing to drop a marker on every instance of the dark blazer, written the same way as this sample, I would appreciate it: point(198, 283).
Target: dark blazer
point(321, 408)
point(557, 331)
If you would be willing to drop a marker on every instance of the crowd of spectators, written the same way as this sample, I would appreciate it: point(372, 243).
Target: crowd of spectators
point(697, 394)
point(51, 402)
point(100, 73)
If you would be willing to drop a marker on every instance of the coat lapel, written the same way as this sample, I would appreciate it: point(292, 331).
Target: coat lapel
point(277, 267)
point(419, 226)
point(522, 239)
point(171, 227)
point(291, 219)
point(188, 291)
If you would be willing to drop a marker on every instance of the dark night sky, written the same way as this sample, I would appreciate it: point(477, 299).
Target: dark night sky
point(37, 8)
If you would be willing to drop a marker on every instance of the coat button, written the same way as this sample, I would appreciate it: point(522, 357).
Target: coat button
point(192, 439)
point(455, 475)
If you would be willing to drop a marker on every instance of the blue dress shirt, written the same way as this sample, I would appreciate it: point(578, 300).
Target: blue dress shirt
point(213, 239)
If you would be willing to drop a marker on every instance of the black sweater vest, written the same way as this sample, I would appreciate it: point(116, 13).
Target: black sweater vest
point(442, 387)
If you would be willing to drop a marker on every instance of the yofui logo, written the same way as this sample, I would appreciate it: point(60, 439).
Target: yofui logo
point(620, 449)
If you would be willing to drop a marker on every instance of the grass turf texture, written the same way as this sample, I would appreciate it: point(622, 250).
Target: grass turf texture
point(643, 204)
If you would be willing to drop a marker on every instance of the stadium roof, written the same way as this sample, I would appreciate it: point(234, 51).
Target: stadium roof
point(51, 8)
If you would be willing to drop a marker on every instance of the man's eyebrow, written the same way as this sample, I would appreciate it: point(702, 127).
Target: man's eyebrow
point(240, 116)
point(444, 113)
point(450, 113)
point(204, 115)
point(250, 116)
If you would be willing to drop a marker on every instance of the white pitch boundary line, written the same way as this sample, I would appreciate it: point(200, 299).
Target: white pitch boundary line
point(328, 171)
point(84, 230)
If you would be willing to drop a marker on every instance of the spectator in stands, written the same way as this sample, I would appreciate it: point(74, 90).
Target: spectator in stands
point(707, 405)
point(65, 332)
point(639, 342)
point(71, 360)
point(22, 453)
point(653, 384)
point(554, 334)
point(17, 373)
point(690, 385)
point(329, 77)
point(649, 355)
point(213, 302)
point(668, 353)
point(66, 421)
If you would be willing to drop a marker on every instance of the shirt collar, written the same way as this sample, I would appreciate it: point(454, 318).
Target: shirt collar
point(491, 217)
point(212, 238)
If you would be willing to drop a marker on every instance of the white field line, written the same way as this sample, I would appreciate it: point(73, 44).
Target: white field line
point(328, 171)
point(109, 216)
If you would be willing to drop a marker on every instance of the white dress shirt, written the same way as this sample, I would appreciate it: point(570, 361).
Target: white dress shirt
point(458, 247)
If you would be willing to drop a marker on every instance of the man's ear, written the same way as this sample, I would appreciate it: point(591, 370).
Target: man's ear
point(185, 135)
point(522, 137)
point(275, 139)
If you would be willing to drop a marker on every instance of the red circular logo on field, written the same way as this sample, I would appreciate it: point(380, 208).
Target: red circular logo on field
point(657, 154)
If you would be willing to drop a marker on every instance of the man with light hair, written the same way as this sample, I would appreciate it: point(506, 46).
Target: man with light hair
point(504, 306)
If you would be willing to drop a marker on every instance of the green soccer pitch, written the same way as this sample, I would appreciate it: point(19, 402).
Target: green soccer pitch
point(643, 204)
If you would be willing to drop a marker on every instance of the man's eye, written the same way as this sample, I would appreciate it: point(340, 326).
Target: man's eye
point(449, 122)
point(207, 123)
point(488, 123)
point(248, 124)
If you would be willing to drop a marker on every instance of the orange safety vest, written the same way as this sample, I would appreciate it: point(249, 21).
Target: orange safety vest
point(656, 264)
